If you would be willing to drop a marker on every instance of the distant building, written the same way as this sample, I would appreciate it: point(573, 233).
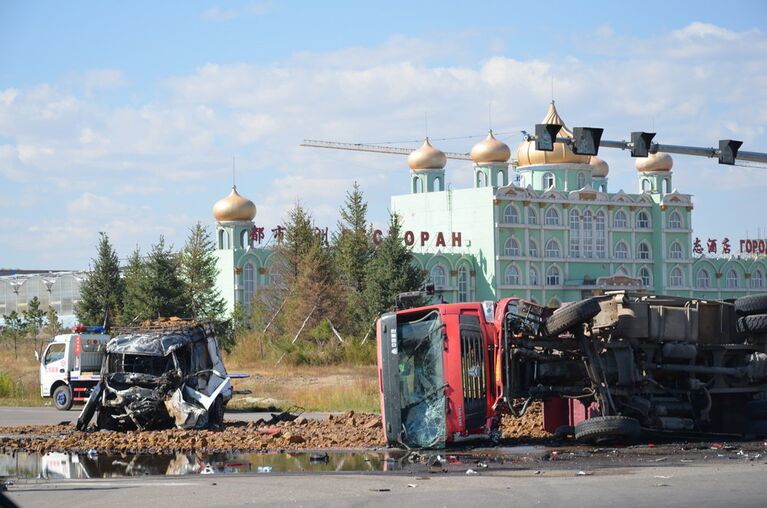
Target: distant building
point(60, 289)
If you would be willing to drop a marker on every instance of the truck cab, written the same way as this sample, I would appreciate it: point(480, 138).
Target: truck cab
point(70, 365)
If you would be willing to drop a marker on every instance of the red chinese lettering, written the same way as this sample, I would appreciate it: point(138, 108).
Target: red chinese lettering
point(711, 245)
point(256, 235)
point(697, 248)
point(726, 246)
point(279, 233)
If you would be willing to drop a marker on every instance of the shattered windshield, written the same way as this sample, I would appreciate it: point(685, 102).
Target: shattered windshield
point(140, 364)
point(421, 380)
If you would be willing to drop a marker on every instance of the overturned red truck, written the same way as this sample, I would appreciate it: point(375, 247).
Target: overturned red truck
point(608, 368)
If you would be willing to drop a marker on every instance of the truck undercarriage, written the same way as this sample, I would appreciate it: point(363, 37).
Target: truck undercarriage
point(607, 368)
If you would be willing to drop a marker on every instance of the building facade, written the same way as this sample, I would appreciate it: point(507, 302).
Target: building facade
point(60, 290)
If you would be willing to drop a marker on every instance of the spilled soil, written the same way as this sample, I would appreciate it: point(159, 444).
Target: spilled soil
point(348, 431)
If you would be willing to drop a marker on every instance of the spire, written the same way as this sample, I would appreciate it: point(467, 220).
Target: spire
point(552, 117)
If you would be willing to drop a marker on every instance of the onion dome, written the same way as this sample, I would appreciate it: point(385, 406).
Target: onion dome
point(658, 161)
point(599, 167)
point(234, 208)
point(426, 157)
point(562, 154)
point(490, 150)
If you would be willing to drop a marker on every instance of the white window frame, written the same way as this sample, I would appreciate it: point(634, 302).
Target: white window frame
point(733, 281)
point(551, 252)
point(676, 278)
point(511, 247)
point(676, 251)
point(643, 220)
point(643, 251)
point(553, 218)
point(437, 277)
point(675, 220)
point(703, 279)
point(553, 276)
point(510, 215)
point(620, 220)
point(621, 250)
point(511, 275)
point(549, 180)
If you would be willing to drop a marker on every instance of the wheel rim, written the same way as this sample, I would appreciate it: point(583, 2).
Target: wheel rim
point(61, 398)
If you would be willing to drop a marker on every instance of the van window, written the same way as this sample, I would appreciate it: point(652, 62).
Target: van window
point(55, 353)
point(200, 356)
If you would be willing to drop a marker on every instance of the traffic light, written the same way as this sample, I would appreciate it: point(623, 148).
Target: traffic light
point(586, 140)
point(641, 142)
point(728, 151)
point(546, 136)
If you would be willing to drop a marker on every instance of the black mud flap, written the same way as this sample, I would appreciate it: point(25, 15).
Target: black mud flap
point(90, 407)
point(390, 377)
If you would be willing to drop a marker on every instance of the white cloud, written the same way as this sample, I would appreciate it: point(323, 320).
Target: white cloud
point(219, 14)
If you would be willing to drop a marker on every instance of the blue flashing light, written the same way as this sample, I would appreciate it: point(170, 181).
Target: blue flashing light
point(95, 329)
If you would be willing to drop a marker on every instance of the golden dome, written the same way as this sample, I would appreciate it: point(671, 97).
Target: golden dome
point(658, 161)
point(599, 167)
point(234, 208)
point(562, 154)
point(490, 150)
point(426, 157)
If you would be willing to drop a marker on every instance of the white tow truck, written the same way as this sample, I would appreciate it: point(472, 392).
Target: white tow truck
point(71, 364)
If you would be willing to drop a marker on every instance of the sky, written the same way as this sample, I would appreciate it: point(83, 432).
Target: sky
point(124, 117)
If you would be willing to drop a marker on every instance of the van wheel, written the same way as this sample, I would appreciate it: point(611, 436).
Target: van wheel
point(62, 398)
point(608, 429)
point(568, 317)
point(753, 304)
point(216, 415)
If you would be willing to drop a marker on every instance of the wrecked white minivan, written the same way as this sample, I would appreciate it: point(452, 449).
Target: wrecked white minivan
point(158, 378)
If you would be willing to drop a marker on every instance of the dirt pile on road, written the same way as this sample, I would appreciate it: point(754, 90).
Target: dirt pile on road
point(529, 426)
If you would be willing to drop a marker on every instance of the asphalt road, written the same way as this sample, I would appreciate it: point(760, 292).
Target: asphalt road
point(716, 485)
point(14, 416)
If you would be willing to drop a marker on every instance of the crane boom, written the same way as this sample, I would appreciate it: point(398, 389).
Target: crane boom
point(361, 147)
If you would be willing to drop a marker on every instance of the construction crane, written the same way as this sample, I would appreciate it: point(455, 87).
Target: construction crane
point(361, 147)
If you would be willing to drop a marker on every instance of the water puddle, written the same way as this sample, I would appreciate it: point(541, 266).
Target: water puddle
point(57, 465)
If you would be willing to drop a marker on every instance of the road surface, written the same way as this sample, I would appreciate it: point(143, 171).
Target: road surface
point(14, 416)
point(716, 485)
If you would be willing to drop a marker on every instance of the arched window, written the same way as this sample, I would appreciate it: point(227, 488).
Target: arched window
point(223, 239)
point(676, 278)
point(646, 185)
point(532, 215)
point(666, 185)
point(552, 249)
point(552, 276)
point(601, 234)
point(418, 185)
point(675, 220)
point(643, 220)
point(511, 247)
point(575, 234)
point(532, 276)
point(644, 276)
point(481, 179)
point(621, 250)
point(588, 235)
point(248, 283)
point(676, 251)
point(620, 221)
point(512, 276)
point(552, 217)
point(533, 248)
point(463, 284)
point(436, 185)
point(757, 279)
point(438, 277)
point(511, 215)
point(502, 179)
point(244, 239)
point(548, 180)
point(581, 183)
point(702, 279)
point(732, 279)
point(643, 251)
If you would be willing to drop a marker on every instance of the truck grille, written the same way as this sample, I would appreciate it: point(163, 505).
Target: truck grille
point(473, 372)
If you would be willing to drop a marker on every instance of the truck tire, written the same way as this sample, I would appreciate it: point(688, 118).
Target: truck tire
point(62, 398)
point(753, 324)
point(570, 316)
point(216, 415)
point(756, 409)
point(604, 429)
point(753, 304)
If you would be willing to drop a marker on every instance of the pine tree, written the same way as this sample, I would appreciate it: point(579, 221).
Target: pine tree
point(33, 316)
point(102, 292)
point(299, 238)
point(352, 244)
point(391, 270)
point(52, 323)
point(198, 271)
point(134, 306)
point(14, 327)
point(161, 288)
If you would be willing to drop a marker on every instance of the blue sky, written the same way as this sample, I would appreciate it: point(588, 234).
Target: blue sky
point(124, 116)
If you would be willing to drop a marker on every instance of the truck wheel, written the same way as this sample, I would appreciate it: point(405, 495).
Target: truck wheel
point(753, 324)
point(570, 316)
point(604, 429)
point(216, 415)
point(756, 409)
point(753, 304)
point(62, 398)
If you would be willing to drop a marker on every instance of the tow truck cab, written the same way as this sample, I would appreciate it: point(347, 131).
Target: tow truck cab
point(441, 372)
point(70, 365)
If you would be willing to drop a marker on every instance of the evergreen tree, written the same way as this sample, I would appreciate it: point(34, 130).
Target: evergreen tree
point(198, 272)
point(299, 238)
point(52, 323)
point(134, 306)
point(33, 316)
point(352, 244)
point(391, 270)
point(102, 292)
point(14, 328)
point(161, 288)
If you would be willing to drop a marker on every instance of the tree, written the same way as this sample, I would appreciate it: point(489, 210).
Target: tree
point(198, 271)
point(102, 291)
point(13, 327)
point(160, 288)
point(134, 306)
point(33, 318)
point(299, 238)
point(52, 323)
point(391, 270)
